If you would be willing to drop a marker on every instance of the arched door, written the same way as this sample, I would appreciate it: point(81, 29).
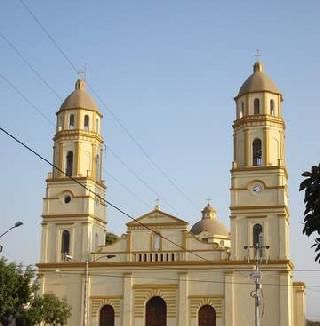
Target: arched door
point(156, 312)
point(207, 316)
point(107, 316)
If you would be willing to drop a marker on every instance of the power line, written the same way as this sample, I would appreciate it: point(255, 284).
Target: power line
point(123, 127)
point(121, 211)
point(139, 178)
point(125, 187)
point(23, 58)
point(47, 119)
point(16, 89)
point(21, 94)
point(79, 271)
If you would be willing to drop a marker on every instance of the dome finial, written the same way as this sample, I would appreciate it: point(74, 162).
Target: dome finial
point(258, 66)
point(209, 212)
point(157, 205)
point(80, 84)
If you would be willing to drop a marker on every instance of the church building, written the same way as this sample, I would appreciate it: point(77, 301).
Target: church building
point(163, 272)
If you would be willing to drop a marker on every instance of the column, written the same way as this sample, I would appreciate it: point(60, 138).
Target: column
point(246, 148)
point(266, 146)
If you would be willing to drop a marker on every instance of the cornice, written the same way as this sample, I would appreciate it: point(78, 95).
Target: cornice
point(80, 109)
point(230, 265)
point(67, 134)
point(253, 120)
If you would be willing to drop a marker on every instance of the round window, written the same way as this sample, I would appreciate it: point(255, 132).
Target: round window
point(67, 199)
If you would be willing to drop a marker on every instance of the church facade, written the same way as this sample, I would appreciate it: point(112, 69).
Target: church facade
point(161, 272)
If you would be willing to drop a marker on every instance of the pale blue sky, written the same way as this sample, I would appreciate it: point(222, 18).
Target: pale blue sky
point(169, 71)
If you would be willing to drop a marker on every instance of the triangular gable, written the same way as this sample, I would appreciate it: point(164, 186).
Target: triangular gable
point(156, 216)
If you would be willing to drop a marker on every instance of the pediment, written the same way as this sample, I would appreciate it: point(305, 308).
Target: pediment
point(158, 217)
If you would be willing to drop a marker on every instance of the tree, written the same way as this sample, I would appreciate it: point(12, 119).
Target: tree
point(48, 309)
point(311, 187)
point(15, 290)
point(313, 323)
point(19, 299)
point(110, 239)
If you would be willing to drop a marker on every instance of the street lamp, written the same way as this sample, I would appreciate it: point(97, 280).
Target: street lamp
point(16, 225)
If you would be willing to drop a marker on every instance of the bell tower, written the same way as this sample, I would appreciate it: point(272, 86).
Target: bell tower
point(73, 218)
point(259, 192)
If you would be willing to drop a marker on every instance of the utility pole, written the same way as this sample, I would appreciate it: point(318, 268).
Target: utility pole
point(85, 299)
point(256, 276)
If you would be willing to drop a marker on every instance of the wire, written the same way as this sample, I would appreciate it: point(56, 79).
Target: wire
point(125, 129)
point(15, 88)
point(47, 119)
point(22, 57)
point(121, 211)
point(125, 187)
point(153, 276)
point(139, 178)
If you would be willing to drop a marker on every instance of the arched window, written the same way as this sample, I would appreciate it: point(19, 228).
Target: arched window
point(69, 163)
point(256, 106)
point(272, 107)
point(256, 152)
point(241, 112)
point(86, 122)
point(106, 316)
point(156, 312)
point(97, 126)
point(71, 121)
point(98, 168)
point(65, 243)
point(207, 316)
point(257, 234)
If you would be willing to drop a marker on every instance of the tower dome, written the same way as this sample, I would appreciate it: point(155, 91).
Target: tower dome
point(209, 223)
point(258, 81)
point(79, 99)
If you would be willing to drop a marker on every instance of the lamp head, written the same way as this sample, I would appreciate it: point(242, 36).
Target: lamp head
point(18, 224)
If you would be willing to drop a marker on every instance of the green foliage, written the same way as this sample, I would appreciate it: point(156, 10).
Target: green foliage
point(313, 323)
point(15, 290)
point(311, 187)
point(48, 309)
point(110, 238)
point(18, 299)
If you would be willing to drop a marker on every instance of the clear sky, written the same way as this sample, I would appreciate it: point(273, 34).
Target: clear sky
point(169, 71)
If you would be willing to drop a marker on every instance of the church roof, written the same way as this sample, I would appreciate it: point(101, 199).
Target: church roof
point(79, 99)
point(156, 216)
point(209, 223)
point(258, 81)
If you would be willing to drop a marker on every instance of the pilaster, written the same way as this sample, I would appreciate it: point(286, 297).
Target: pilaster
point(127, 303)
point(183, 293)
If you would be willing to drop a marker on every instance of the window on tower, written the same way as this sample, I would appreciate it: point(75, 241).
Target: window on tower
point(71, 121)
point(257, 237)
point(256, 106)
point(241, 112)
point(69, 163)
point(272, 107)
point(97, 125)
point(86, 122)
point(65, 244)
point(257, 152)
point(98, 168)
point(257, 234)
